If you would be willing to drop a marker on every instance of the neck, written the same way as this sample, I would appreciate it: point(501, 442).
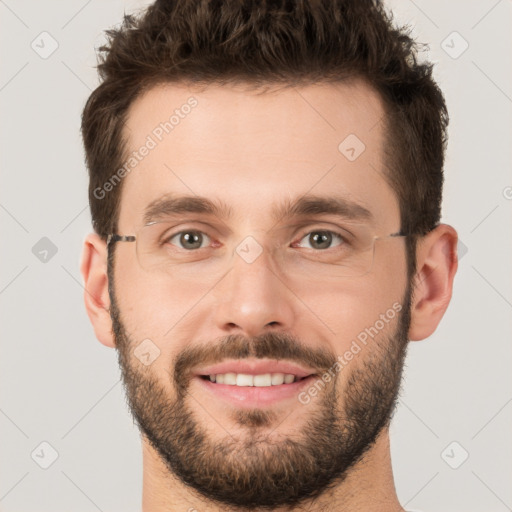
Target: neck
point(369, 487)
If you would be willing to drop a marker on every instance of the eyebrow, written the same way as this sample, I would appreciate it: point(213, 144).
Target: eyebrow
point(307, 205)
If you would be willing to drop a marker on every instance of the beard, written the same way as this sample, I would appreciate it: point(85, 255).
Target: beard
point(257, 470)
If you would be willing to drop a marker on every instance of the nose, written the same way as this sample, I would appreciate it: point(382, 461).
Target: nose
point(254, 298)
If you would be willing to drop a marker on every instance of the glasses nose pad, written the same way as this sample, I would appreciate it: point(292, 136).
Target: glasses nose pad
point(290, 263)
point(278, 255)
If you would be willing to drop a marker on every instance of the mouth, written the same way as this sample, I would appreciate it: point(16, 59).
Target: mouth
point(250, 380)
point(254, 382)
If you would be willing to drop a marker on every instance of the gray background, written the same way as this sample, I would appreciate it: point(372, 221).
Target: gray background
point(59, 385)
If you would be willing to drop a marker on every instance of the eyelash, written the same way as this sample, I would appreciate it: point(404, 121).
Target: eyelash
point(302, 236)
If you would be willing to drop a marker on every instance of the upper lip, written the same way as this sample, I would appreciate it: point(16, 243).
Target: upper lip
point(256, 367)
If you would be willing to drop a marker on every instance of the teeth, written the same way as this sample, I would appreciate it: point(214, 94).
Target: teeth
point(244, 379)
point(263, 380)
point(288, 379)
point(230, 378)
point(277, 379)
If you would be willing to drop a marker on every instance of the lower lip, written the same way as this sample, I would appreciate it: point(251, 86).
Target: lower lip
point(254, 396)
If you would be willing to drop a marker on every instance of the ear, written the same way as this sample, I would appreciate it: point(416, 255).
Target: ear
point(93, 268)
point(436, 257)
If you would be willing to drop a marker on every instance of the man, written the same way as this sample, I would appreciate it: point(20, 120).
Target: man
point(265, 188)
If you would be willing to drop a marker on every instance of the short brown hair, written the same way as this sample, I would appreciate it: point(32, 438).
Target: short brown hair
point(262, 42)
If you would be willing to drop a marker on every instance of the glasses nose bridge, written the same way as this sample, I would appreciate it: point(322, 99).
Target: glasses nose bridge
point(257, 248)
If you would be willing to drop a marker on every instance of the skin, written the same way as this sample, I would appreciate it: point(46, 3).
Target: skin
point(252, 151)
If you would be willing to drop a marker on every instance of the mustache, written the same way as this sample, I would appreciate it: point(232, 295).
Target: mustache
point(270, 345)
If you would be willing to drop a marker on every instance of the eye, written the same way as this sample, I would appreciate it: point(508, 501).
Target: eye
point(322, 239)
point(189, 240)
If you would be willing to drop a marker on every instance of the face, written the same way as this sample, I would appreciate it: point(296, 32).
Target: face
point(261, 330)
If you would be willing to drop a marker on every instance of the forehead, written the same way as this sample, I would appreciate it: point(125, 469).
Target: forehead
point(253, 150)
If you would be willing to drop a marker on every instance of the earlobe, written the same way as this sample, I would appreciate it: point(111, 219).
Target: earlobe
point(93, 268)
point(436, 257)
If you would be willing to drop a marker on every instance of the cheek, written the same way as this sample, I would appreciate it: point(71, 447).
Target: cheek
point(345, 315)
point(158, 315)
point(351, 309)
point(151, 304)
